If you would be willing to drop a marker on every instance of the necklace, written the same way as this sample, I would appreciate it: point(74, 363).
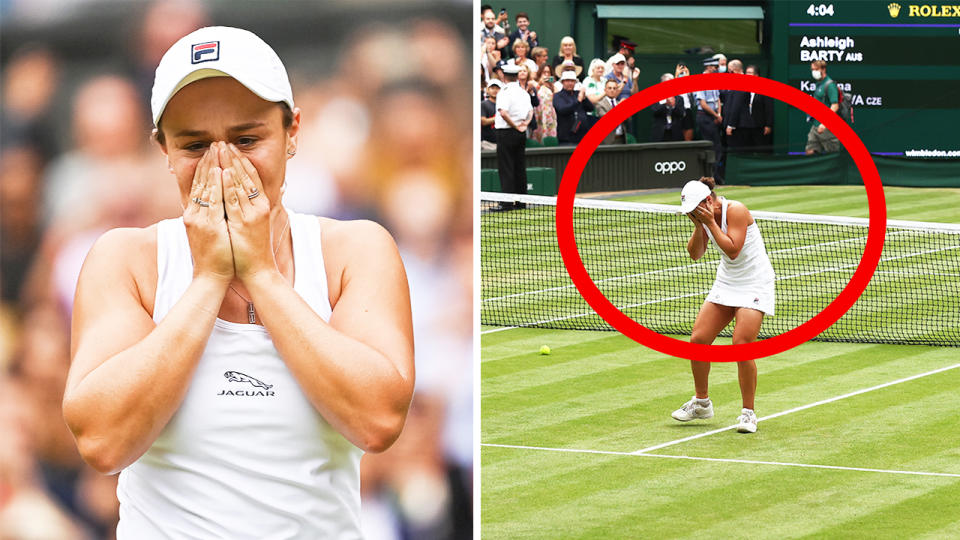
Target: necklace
point(251, 314)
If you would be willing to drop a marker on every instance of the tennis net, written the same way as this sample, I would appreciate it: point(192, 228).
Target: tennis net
point(636, 254)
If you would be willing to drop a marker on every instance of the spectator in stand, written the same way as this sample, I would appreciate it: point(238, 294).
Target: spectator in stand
point(30, 82)
point(527, 82)
point(572, 107)
point(491, 29)
point(688, 103)
point(738, 122)
point(541, 58)
point(595, 82)
point(488, 114)
point(523, 31)
point(520, 51)
point(709, 118)
point(761, 109)
point(624, 46)
point(819, 139)
point(627, 81)
point(667, 118)
point(545, 114)
point(489, 56)
point(568, 53)
point(567, 66)
point(606, 103)
point(721, 62)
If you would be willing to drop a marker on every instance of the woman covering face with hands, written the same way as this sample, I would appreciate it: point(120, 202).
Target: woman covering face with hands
point(743, 291)
point(234, 364)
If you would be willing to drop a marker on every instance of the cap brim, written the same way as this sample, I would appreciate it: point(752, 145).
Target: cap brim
point(261, 91)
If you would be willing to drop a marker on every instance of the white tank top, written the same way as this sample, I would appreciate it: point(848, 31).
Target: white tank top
point(752, 264)
point(246, 455)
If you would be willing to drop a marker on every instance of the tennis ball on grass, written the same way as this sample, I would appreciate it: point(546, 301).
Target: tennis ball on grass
point(544, 349)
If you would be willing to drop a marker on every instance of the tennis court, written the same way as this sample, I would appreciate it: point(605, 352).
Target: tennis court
point(855, 439)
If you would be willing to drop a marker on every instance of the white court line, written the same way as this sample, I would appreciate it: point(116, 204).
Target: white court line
point(726, 460)
point(800, 408)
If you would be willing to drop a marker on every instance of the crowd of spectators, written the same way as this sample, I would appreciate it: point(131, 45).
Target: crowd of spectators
point(569, 97)
point(384, 137)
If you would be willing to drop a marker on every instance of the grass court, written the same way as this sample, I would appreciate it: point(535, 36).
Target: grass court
point(854, 440)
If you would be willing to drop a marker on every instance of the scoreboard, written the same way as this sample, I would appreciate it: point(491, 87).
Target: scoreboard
point(899, 61)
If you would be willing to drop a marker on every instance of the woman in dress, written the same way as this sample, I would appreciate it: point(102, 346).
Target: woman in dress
point(544, 113)
point(743, 291)
point(235, 363)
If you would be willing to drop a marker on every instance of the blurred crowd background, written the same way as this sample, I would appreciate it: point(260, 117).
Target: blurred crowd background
point(387, 108)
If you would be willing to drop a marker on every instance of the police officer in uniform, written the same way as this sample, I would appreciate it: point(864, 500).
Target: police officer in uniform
point(709, 119)
point(514, 112)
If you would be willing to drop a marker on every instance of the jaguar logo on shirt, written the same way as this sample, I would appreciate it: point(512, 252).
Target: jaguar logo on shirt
point(236, 376)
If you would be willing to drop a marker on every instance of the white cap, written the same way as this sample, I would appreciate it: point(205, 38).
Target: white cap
point(220, 51)
point(568, 76)
point(693, 193)
point(495, 82)
point(616, 59)
point(511, 69)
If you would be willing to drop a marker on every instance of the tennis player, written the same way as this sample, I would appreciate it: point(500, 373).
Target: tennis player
point(743, 291)
point(234, 363)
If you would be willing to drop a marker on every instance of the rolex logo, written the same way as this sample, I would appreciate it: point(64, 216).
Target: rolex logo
point(894, 9)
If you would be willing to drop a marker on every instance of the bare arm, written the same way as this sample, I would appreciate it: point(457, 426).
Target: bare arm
point(357, 370)
point(738, 218)
point(697, 245)
point(709, 110)
point(128, 376)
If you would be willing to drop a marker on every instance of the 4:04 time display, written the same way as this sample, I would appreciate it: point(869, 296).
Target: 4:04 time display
point(820, 10)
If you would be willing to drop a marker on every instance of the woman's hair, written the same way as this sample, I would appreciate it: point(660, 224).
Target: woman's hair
point(568, 39)
point(709, 182)
point(287, 122)
point(593, 65)
point(520, 43)
point(526, 68)
point(537, 51)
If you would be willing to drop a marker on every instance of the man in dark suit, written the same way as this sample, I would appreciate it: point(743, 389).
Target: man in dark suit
point(523, 31)
point(572, 118)
point(761, 109)
point(602, 107)
point(738, 123)
point(667, 121)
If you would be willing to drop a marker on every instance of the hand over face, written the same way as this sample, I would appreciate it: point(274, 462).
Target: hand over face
point(204, 220)
point(703, 213)
point(248, 214)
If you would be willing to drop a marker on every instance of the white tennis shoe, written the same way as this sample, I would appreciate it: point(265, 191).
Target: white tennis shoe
point(693, 410)
point(747, 421)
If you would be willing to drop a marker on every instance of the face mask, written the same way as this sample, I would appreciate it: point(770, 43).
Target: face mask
point(722, 69)
point(816, 74)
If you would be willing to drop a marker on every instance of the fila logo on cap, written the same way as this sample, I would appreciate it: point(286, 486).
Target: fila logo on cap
point(205, 52)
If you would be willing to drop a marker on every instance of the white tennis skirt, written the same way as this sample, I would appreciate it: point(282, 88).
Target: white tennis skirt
point(759, 296)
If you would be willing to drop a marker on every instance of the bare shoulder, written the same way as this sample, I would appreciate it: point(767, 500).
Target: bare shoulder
point(124, 256)
point(738, 211)
point(360, 234)
point(357, 251)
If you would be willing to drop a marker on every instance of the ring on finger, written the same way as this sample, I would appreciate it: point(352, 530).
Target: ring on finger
point(201, 202)
point(254, 194)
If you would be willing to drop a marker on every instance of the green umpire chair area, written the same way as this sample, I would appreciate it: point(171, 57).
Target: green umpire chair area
point(540, 180)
